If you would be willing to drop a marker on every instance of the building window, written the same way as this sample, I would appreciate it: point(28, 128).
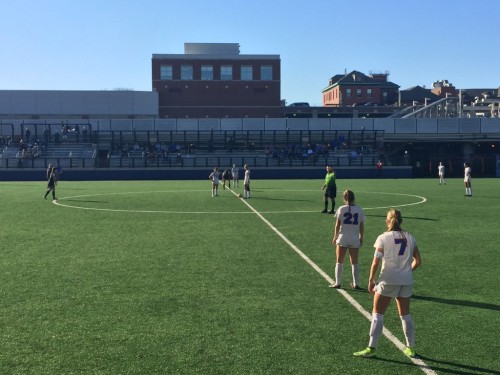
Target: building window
point(358, 93)
point(246, 72)
point(369, 93)
point(186, 72)
point(384, 94)
point(207, 72)
point(226, 72)
point(348, 93)
point(266, 73)
point(166, 72)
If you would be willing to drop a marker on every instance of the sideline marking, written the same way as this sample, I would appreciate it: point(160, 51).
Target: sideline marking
point(388, 334)
point(58, 203)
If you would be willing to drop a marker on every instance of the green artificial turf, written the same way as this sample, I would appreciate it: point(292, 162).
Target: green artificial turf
point(158, 277)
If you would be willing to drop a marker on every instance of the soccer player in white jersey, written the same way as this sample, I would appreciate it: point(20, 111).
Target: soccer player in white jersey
point(441, 170)
point(235, 172)
point(348, 235)
point(467, 174)
point(397, 250)
point(215, 176)
point(246, 182)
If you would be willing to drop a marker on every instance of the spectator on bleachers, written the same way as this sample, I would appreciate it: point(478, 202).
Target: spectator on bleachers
point(64, 133)
point(310, 152)
point(77, 132)
point(21, 145)
point(84, 133)
point(157, 146)
point(36, 150)
point(27, 134)
point(46, 135)
point(267, 151)
point(230, 144)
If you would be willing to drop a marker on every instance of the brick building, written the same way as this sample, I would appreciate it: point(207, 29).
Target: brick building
point(356, 88)
point(212, 80)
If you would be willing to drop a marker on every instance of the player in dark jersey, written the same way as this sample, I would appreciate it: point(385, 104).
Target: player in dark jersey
point(51, 184)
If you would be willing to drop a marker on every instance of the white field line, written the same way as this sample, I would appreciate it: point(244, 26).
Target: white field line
point(421, 364)
point(59, 203)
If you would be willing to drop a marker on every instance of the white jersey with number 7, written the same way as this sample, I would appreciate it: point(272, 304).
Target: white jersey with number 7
point(398, 256)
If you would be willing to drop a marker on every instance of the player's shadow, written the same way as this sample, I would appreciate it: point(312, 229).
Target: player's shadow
point(462, 369)
point(283, 199)
point(405, 217)
point(437, 365)
point(85, 201)
point(458, 302)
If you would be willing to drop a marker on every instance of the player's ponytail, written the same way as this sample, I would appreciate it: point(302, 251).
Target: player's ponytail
point(348, 197)
point(394, 220)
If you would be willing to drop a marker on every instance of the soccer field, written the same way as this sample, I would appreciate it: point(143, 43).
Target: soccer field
point(158, 277)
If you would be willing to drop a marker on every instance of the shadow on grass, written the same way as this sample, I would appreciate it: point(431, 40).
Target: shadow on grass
point(462, 369)
point(84, 201)
point(404, 217)
point(73, 188)
point(458, 302)
point(281, 199)
point(434, 364)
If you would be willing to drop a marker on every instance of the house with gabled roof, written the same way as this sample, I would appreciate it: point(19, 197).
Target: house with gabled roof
point(356, 88)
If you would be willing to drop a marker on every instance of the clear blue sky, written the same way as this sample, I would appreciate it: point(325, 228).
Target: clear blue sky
point(108, 44)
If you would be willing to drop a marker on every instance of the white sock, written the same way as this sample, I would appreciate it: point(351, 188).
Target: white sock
point(376, 329)
point(409, 330)
point(355, 274)
point(339, 267)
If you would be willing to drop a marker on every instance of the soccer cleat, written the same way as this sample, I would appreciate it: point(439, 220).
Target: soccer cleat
point(409, 352)
point(324, 211)
point(367, 353)
point(356, 287)
point(331, 212)
point(335, 286)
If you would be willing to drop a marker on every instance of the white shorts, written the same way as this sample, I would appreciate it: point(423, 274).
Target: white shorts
point(394, 291)
point(349, 241)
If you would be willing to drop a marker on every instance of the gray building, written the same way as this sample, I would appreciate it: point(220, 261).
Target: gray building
point(48, 104)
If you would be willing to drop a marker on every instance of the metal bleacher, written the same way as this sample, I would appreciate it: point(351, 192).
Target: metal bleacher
point(190, 149)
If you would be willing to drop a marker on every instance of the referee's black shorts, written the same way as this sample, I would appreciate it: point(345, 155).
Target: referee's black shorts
point(331, 191)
